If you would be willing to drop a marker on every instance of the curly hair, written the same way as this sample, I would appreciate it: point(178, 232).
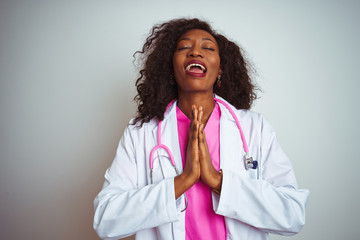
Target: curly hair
point(155, 85)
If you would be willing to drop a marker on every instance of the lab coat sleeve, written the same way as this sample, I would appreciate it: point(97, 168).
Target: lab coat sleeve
point(122, 207)
point(272, 204)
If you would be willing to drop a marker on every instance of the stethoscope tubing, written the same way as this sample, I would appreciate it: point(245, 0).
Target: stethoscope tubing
point(246, 149)
point(248, 160)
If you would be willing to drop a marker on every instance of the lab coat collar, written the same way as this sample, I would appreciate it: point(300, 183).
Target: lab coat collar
point(171, 110)
point(224, 112)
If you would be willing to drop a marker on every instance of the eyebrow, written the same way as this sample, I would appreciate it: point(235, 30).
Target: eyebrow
point(204, 39)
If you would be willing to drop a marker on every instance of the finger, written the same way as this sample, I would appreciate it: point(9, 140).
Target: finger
point(194, 113)
point(201, 113)
point(204, 150)
point(197, 130)
point(192, 129)
point(194, 132)
point(202, 138)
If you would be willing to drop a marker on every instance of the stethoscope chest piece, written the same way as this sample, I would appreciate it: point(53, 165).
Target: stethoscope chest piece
point(250, 163)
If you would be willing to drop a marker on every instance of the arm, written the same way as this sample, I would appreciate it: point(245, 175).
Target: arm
point(122, 207)
point(273, 203)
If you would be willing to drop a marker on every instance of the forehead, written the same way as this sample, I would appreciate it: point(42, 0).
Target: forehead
point(197, 34)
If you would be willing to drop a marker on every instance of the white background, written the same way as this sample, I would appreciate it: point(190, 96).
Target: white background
point(67, 84)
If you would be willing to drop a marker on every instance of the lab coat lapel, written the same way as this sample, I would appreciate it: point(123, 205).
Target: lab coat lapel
point(231, 158)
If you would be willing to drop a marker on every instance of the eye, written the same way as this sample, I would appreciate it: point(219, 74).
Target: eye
point(182, 48)
point(209, 48)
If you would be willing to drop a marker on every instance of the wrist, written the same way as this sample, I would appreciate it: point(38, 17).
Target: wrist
point(217, 186)
point(189, 179)
point(182, 183)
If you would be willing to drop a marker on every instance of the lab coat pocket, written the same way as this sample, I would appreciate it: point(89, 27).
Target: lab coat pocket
point(250, 173)
point(253, 173)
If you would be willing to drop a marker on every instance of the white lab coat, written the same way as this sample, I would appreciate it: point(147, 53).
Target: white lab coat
point(254, 202)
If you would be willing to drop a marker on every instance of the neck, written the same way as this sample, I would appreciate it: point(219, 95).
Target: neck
point(204, 100)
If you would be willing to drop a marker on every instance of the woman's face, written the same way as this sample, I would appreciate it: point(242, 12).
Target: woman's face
point(196, 61)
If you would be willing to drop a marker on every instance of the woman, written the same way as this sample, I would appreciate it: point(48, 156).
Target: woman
point(195, 83)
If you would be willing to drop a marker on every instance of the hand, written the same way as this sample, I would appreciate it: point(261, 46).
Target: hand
point(192, 166)
point(198, 161)
point(208, 173)
point(191, 173)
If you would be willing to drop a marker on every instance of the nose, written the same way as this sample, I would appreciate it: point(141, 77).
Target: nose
point(195, 52)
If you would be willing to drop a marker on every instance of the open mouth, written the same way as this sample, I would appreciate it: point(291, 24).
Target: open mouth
point(196, 68)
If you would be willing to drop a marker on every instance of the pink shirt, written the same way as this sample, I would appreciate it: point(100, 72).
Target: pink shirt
point(201, 222)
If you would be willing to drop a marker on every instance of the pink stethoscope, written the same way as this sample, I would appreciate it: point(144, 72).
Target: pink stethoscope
point(248, 161)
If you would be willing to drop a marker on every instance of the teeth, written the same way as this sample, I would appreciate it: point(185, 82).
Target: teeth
point(195, 65)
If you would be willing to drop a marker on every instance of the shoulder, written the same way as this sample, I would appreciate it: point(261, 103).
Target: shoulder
point(242, 114)
point(134, 134)
point(249, 115)
point(255, 122)
point(138, 128)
